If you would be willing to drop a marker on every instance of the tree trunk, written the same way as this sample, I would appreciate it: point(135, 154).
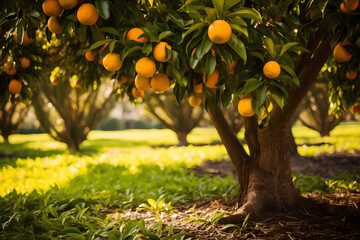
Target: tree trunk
point(182, 138)
point(73, 147)
point(293, 145)
point(5, 136)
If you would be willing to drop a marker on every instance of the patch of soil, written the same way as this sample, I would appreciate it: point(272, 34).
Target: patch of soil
point(327, 165)
point(340, 222)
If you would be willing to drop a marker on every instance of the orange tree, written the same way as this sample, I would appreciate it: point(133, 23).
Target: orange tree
point(262, 56)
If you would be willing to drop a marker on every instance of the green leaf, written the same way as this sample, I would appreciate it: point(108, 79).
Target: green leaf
point(210, 64)
point(112, 46)
point(240, 29)
point(218, 4)
point(20, 34)
point(103, 8)
point(252, 84)
point(205, 46)
point(238, 46)
point(70, 230)
point(53, 212)
point(280, 101)
point(99, 43)
point(193, 28)
point(259, 99)
point(151, 2)
point(176, 18)
point(258, 55)
point(287, 46)
point(165, 35)
point(147, 48)
point(75, 236)
point(246, 13)
point(152, 202)
point(131, 50)
point(110, 30)
point(269, 44)
point(288, 70)
point(230, 3)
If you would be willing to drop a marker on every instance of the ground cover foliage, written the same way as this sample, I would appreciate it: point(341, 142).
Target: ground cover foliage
point(139, 191)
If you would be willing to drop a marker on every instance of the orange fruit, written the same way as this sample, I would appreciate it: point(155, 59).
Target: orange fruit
point(145, 67)
point(54, 25)
point(271, 70)
point(159, 52)
point(9, 71)
point(351, 5)
point(100, 61)
point(136, 93)
point(102, 48)
point(340, 53)
point(355, 108)
point(78, 84)
point(142, 83)
point(26, 40)
point(87, 14)
point(212, 80)
point(68, 4)
point(197, 87)
point(343, 8)
point(351, 75)
point(25, 62)
point(51, 8)
point(194, 101)
point(112, 62)
point(231, 69)
point(160, 82)
point(245, 107)
point(54, 81)
point(124, 79)
point(15, 86)
point(314, 13)
point(90, 56)
point(134, 33)
point(219, 32)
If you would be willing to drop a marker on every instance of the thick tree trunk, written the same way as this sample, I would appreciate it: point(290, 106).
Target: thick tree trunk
point(73, 147)
point(5, 136)
point(293, 145)
point(182, 138)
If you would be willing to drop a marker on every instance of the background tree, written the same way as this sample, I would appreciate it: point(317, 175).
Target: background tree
point(315, 109)
point(180, 118)
point(255, 54)
point(12, 116)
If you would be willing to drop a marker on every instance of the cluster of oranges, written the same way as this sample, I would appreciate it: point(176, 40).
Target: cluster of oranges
point(86, 13)
point(11, 69)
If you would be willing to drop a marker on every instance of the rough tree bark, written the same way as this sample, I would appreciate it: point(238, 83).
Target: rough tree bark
point(265, 181)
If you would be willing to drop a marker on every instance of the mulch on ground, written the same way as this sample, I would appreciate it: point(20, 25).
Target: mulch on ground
point(328, 216)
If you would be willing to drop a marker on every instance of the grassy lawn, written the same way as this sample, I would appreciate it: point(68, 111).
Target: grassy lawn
point(48, 193)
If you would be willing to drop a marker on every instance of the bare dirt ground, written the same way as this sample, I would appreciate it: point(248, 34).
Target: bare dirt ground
point(328, 216)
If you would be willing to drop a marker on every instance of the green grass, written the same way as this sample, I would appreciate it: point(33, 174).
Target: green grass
point(47, 193)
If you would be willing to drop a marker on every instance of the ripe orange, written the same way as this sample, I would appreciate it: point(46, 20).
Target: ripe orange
point(15, 86)
point(100, 61)
point(231, 69)
point(90, 56)
point(134, 33)
point(340, 53)
point(54, 81)
point(25, 62)
point(194, 101)
point(54, 25)
point(245, 108)
point(219, 32)
point(159, 52)
point(87, 14)
point(343, 8)
point(51, 7)
point(351, 75)
point(123, 79)
point(112, 62)
point(145, 67)
point(142, 83)
point(68, 4)
point(355, 108)
point(212, 80)
point(136, 93)
point(351, 5)
point(271, 70)
point(26, 40)
point(160, 82)
point(197, 87)
point(314, 13)
point(9, 71)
